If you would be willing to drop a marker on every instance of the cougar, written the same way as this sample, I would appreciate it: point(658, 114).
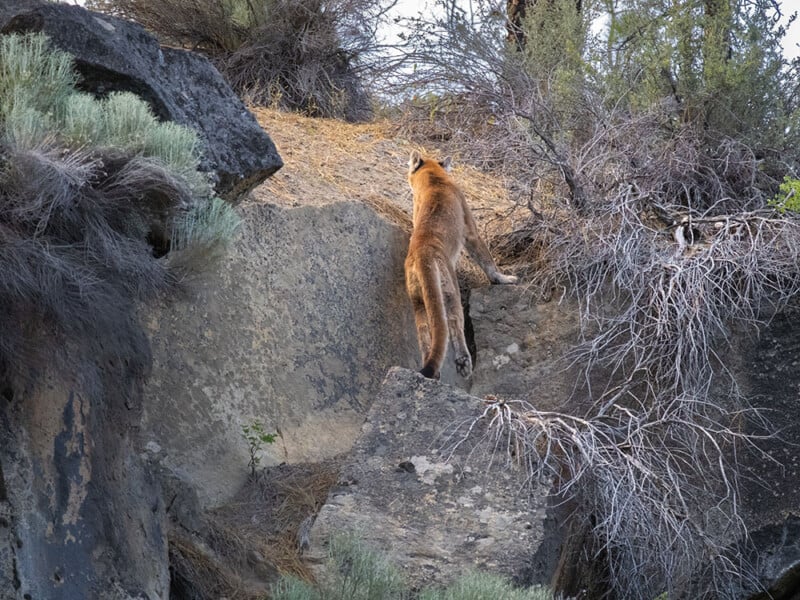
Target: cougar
point(443, 225)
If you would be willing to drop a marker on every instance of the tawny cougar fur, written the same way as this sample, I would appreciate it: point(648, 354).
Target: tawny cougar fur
point(443, 225)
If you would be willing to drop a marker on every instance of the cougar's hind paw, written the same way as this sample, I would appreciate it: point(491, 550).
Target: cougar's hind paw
point(430, 372)
point(464, 365)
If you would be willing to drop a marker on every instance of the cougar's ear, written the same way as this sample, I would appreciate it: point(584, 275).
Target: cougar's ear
point(447, 163)
point(415, 161)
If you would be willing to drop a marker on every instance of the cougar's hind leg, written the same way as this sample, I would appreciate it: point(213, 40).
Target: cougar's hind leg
point(455, 324)
point(420, 315)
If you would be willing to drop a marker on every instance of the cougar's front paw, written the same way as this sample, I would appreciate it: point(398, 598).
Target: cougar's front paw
point(502, 278)
point(464, 365)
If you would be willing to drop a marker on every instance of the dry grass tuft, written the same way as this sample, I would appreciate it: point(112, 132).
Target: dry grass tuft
point(197, 572)
point(249, 542)
point(268, 513)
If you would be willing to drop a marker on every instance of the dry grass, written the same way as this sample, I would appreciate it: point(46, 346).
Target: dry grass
point(331, 161)
point(249, 542)
point(267, 513)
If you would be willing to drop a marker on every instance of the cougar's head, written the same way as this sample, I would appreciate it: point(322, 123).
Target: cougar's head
point(417, 161)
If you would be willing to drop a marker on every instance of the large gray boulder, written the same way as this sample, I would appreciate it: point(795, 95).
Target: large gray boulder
point(431, 492)
point(295, 330)
point(112, 54)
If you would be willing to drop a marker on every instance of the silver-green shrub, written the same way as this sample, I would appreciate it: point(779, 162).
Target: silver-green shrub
point(92, 193)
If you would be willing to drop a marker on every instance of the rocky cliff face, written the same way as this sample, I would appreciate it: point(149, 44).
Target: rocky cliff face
point(766, 366)
point(440, 501)
point(81, 515)
point(295, 330)
point(83, 512)
point(427, 486)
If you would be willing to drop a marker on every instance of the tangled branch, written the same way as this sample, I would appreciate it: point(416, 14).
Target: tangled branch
point(660, 485)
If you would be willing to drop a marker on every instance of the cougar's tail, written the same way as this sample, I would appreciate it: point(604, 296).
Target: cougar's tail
point(431, 282)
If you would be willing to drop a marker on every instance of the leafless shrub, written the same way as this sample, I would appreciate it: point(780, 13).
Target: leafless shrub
point(307, 55)
point(486, 105)
point(204, 25)
point(674, 246)
point(297, 59)
point(659, 227)
point(658, 482)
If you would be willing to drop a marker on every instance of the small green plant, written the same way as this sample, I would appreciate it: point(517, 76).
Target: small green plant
point(256, 436)
point(788, 196)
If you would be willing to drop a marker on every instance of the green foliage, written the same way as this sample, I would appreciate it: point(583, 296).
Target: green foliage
point(788, 196)
point(126, 122)
point(38, 99)
point(34, 111)
point(720, 62)
point(484, 586)
point(292, 588)
point(556, 34)
point(362, 574)
point(210, 226)
point(355, 573)
point(256, 436)
point(84, 120)
point(555, 37)
point(34, 86)
point(358, 573)
point(33, 76)
point(123, 121)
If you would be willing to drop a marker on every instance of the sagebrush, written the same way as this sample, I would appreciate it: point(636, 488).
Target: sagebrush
point(356, 572)
point(92, 192)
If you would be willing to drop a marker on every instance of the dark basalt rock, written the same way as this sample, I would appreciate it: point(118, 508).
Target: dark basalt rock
point(81, 517)
point(778, 547)
point(112, 54)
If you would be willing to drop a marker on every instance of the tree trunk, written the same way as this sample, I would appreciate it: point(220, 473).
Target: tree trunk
point(515, 25)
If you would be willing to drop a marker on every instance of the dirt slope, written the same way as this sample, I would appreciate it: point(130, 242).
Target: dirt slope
point(330, 161)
